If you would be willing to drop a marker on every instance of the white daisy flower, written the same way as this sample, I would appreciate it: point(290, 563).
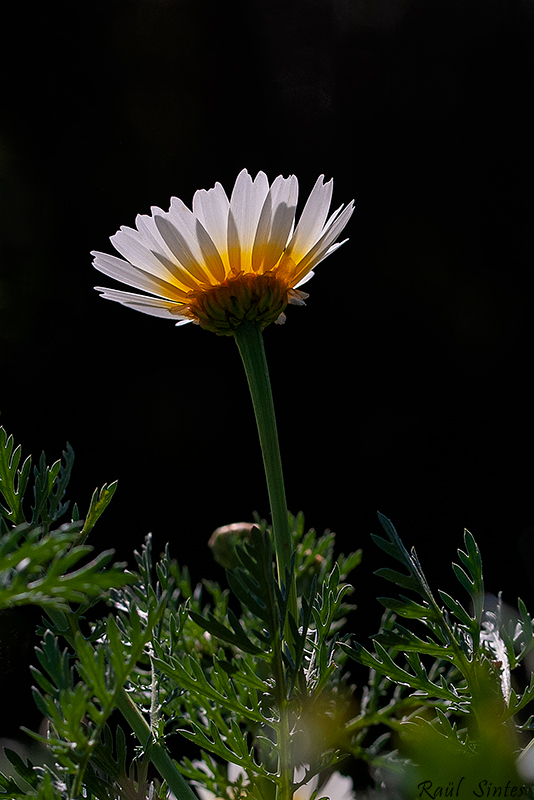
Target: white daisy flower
point(227, 260)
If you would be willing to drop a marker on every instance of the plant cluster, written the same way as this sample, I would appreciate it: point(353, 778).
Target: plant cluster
point(235, 674)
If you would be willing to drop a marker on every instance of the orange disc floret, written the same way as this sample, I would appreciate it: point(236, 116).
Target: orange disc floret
point(245, 296)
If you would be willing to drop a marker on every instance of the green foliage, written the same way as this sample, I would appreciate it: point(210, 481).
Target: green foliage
point(13, 482)
point(49, 486)
point(223, 678)
point(456, 679)
point(233, 673)
point(38, 565)
point(39, 569)
point(51, 567)
point(78, 689)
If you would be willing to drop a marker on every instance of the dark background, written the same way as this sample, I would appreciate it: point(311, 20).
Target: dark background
point(404, 385)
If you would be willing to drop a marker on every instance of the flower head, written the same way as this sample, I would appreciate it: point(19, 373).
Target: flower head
point(227, 260)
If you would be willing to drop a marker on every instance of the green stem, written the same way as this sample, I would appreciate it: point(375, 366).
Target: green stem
point(249, 340)
point(158, 754)
point(285, 766)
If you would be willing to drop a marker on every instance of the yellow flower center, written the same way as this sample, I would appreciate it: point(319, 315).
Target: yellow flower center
point(245, 296)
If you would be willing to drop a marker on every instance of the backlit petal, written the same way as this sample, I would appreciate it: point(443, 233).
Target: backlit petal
point(211, 208)
point(125, 272)
point(321, 248)
point(246, 203)
point(183, 247)
point(312, 219)
point(270, 241)
point(150, 234)
point(154, 306)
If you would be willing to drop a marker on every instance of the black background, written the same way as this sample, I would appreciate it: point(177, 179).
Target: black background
point(403, 386)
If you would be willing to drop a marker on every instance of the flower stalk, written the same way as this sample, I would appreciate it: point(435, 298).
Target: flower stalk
point(249, 340)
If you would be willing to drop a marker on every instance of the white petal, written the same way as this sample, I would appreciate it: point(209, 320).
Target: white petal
point(210, 254)
point(322, 247)
point(125, 272)
point(130, 244)
point(305, 791)
point(234, 245)
point(154, 306)
point(333, 216)
point(312, 219)
point(338, 787)
point(145, 248)
point(192, 244)
point(184, 221)
point(263, 232)
point(307, 277)
point(211, 208)
point(182, 245)
point(246, 204)
point(270, 242)
point(146, 225)
point(235, 772)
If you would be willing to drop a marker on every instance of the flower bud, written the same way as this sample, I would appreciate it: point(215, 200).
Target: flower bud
point(223, 542)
